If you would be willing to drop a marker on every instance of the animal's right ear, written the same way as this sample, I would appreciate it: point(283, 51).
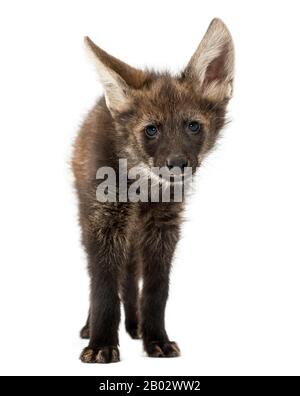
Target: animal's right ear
point(116, 77)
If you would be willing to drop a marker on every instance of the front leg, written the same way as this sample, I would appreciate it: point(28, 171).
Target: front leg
point(161, 234)
point(104, 319)
point(107, 249)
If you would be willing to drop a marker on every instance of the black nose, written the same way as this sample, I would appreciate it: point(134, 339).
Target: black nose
point(177, 161)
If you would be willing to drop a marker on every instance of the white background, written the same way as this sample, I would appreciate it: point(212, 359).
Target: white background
point(234, 302)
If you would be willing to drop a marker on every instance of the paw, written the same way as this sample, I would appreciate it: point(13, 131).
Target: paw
point(85, 332)
point(162, 349)
point(108, 354)
point(134, 332)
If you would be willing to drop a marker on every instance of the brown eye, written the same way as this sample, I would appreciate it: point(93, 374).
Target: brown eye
point(194, 126)
point(151, 131)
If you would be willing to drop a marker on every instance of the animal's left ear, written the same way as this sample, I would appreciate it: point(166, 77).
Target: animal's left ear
point(212, 65)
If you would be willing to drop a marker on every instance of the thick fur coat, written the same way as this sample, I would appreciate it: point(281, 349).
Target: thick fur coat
point(126, 241)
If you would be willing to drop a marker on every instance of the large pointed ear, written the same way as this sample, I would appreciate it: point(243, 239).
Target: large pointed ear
point(212, 65)
point(116, 77)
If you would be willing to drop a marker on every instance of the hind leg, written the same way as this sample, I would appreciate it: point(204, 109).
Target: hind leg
point(130, 296)
point(85, 331)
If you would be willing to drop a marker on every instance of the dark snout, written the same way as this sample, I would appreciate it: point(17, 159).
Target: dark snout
point(178, 161)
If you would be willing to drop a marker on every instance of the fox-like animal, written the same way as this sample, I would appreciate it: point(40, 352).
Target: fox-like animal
point(151, 119)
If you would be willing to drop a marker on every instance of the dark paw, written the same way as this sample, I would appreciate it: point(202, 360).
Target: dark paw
point(134, 332)
point(109, 354)
point(162, 349)
point(85, 332)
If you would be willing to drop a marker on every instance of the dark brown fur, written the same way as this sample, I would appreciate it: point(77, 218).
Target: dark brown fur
point(127, 241)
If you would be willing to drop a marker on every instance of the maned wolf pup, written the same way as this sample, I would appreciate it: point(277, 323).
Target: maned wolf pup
point(149, 119)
